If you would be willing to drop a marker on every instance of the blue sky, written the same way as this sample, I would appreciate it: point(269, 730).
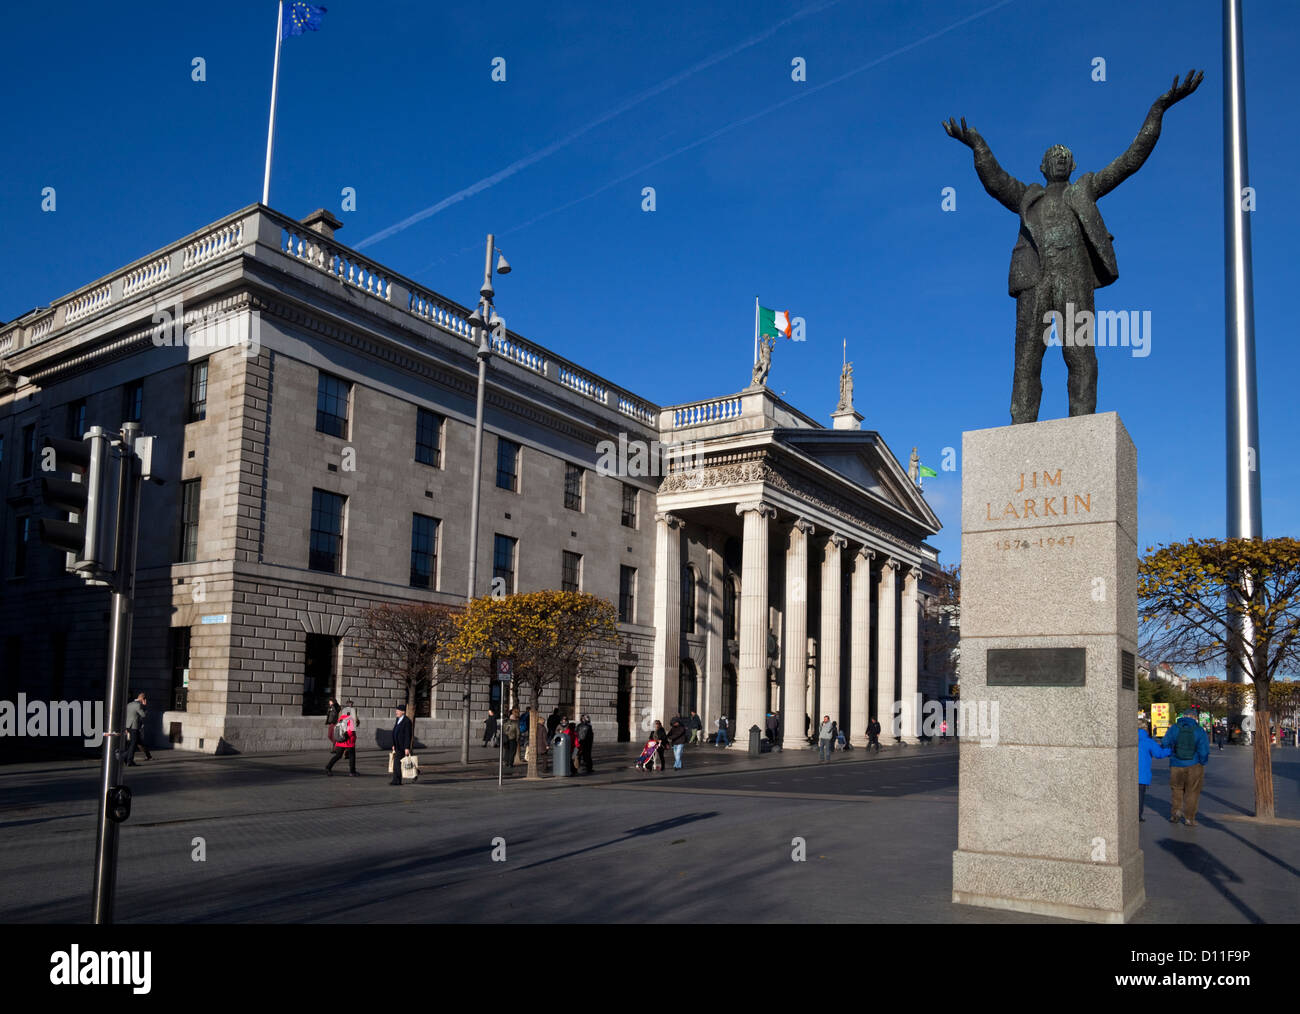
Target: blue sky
point(822, 197)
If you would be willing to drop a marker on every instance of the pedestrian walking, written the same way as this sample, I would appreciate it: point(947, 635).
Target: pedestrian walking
point(135, 714)
point(510, 733)
point(586, 738)
point(331, 718)
point(490, 728)
point(696, 725)
point(403, 737)
point(1148, 749)
point(677, 736)
point(660, 735)
point(873, 734)
point(720, 737)
point(345, 741)
point(825, 737)
point(525, 718)
point(1191, 752)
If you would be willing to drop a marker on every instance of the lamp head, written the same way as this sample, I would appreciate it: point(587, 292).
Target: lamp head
point(503, 265)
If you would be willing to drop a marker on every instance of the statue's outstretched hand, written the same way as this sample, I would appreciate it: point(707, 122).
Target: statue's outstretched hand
point(1178, 92)
point(966, 135)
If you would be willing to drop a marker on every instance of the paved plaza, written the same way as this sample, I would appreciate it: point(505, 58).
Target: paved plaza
point(713, 843)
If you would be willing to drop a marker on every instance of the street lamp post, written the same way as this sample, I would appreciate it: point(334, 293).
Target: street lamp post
point(481, 321)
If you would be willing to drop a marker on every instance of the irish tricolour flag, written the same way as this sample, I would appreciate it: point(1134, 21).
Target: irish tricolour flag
point(773, 322)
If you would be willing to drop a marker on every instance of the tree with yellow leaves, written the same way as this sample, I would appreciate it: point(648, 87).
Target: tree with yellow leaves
point(1233, 603)
point(546, 634)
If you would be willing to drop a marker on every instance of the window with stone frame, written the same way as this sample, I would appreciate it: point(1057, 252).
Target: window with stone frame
point(571, 572)
point(503, 562)
point(568, 692)
point(189, 544)
point(572, 487)
point(428, 438)
point(629, 505)
point(627, 594)
point(332, 397)
point(326, 547)
point(507, 465)
point(688, 599)
point(424, 551)
point(198, 405)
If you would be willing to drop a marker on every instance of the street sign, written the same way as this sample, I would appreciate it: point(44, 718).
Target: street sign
point(505, 670)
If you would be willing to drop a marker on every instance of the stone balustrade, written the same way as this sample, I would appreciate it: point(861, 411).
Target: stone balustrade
point(88, 302)
point(146, 276)
point(256, 230)
point(703, 412)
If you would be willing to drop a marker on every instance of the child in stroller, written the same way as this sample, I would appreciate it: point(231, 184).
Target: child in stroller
point(646, 761)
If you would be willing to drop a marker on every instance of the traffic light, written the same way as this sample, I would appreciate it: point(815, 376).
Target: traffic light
point(86, 535)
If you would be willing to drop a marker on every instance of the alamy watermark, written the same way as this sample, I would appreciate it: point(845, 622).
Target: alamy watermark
point(972, 720)
point(206, 329)
point(641, 458)
point(84, 719)
point(1129, 329)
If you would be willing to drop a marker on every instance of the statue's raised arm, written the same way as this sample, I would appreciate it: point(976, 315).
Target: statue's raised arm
point(1000, 184)
point(1131, 160)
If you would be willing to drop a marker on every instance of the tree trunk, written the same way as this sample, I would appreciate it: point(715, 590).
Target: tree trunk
point(464, 726)
point(532, 736)
point(1263, 758)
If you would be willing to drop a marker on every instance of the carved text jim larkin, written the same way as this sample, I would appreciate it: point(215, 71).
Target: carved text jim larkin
point(1048, 499)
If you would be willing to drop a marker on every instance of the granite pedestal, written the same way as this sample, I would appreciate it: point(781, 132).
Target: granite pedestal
point(1047, 810)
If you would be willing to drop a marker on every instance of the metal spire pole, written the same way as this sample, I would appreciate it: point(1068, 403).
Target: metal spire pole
point(1244, 520)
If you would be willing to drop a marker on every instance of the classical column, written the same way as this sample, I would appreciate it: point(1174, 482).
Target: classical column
point(667, 657)
point(793, 698)
point(860, 647)
point(885, 618)
point(751, 695)
point(828, 651)
point(907, 655)
point(711, 702)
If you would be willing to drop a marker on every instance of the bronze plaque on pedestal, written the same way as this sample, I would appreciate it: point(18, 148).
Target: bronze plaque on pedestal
point(1035, 667)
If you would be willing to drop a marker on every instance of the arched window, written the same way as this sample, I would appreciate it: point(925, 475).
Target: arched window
point(730, 613)
point(688, 599)
point(686, 688)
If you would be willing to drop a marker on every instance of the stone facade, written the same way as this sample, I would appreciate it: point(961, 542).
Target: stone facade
point(270, 308)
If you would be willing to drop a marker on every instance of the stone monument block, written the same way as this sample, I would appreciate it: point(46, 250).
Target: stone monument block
point(1047, 798)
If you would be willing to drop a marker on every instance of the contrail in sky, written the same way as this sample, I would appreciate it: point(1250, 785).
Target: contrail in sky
point(554, 146)
point(802, 94)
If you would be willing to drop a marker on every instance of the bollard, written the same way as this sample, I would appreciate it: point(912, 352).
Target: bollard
point(755, 740)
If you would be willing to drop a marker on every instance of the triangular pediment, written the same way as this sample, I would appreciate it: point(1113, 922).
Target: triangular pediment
point(862, 458)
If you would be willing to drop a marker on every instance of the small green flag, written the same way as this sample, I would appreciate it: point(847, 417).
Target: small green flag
point(927, 471)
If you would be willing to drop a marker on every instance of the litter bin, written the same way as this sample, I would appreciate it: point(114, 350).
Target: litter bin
point(755, 740)
point(561, 762)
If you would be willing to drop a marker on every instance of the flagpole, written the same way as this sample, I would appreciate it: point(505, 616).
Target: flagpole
point(755, 330)
point(275, 84)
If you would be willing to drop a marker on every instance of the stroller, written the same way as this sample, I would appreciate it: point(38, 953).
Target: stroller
point(646, 761)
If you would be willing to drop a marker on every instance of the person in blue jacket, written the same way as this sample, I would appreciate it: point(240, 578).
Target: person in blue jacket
point(1147, 749)
point(1191, 752)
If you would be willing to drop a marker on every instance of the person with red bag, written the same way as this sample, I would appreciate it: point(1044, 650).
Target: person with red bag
point(345, 741)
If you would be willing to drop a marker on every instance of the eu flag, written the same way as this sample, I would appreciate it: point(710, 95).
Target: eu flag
point(299, 17)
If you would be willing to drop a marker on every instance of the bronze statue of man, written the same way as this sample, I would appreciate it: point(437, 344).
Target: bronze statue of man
point(1063, 252)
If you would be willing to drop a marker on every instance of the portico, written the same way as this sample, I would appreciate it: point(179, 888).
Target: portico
point(793, 534)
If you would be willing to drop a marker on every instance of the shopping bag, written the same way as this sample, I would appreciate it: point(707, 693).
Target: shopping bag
point(410, 768)
point(390, 761)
